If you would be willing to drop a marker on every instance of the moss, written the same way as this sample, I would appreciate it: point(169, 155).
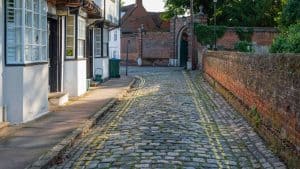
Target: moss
point(287, 154)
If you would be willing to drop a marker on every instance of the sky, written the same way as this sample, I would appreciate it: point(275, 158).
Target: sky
point(150, 5)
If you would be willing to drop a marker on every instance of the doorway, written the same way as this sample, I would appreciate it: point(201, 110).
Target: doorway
point(183, 47)
point(54, 59)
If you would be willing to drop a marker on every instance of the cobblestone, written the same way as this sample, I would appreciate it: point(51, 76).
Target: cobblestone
point(172, 119)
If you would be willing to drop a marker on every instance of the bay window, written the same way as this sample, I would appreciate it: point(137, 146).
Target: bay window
point(26, 31)
point(70, 46)
point(81, 37)
point(71, 37)
point(97, 42)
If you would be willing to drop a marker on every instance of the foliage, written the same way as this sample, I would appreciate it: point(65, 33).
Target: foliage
point(243, 46)
point(288, 41)
point(291, 13)
point(205, 34)
point(231, 12)
point(244, 34)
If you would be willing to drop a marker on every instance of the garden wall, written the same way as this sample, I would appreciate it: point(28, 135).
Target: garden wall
point(269, 86)
point(157, 48)
point(261, 36)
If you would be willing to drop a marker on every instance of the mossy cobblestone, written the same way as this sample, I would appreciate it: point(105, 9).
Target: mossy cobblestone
point(172, 119)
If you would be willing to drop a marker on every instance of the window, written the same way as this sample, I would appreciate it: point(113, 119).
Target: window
point(114, 54)
point(26, 31)
point(97, 42)
point(70, 46)
point(105, 43)
point(115, 35)
point(81, 37)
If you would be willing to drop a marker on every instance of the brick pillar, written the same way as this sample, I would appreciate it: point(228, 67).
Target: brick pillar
point(140, 47)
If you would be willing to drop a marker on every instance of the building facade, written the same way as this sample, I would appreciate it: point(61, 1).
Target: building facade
point(2, 115)
point(50, 47)
point(99, 50)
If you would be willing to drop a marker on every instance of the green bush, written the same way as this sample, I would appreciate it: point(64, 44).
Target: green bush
point(244, 34)
point(291, 13)
point(205, 34)
point(288, 41)
point(243, 46)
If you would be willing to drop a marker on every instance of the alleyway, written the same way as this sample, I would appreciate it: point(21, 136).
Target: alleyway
point(172, 119)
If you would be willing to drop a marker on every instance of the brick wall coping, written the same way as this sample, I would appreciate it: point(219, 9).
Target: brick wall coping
point(256, 29)
point(232, 54)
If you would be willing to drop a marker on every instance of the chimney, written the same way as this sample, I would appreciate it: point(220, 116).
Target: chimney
point(139, 2)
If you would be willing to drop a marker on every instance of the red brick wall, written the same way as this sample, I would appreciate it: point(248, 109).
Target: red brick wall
point(269, 83)
point(261, 36)
point(157, 48)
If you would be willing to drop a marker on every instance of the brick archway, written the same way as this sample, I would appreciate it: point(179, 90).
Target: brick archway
point(183, 31)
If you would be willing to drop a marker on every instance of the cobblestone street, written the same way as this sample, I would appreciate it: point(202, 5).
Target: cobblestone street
point(171, 119)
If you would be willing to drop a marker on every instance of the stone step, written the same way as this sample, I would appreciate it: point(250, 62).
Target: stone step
point(58, 99)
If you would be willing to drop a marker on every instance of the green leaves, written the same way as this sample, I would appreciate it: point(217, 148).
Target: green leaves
point(288, 41)
point(205, 34)
point(243, 46)
point(291, 13)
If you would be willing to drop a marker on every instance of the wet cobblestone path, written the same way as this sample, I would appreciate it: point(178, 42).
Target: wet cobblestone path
point(172, 119)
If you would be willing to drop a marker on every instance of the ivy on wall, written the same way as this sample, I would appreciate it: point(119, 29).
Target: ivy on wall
point(205, 34)
point(244, 34)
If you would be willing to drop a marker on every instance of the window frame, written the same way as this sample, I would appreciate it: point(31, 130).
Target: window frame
point(81, 36)
point(12, 59)
point(73, 36)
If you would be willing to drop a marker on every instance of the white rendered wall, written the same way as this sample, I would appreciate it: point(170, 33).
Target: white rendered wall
point(1, 58)
point(101, 65)
point(115, 45)
point(26, 92)
point(75, 77)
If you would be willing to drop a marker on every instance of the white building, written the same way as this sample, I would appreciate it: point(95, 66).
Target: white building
point(115, 43)
point(99, 37)
point(2, 115)
point(25, 74)
point(115, 33)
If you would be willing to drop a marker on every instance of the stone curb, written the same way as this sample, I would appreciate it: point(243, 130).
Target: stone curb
point(53, 155)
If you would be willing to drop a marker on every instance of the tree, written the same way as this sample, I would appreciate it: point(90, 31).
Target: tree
point(291, 13)
point(288, 41)
point(232, 12)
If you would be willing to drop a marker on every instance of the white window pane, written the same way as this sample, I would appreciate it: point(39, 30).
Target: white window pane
point(36, 6)
point(28, 36)
point(44, 53)
point(44, 22)
point(36, 20)
point(36, 36)
point(18, 3)
point(18, 36)
point(29, 4)
point(44, 37)
point(81, 48)
point(28, 53)
point(43, 7)
point(28, 19)
point(11, 36)
point(18, 18)
point(35, 53)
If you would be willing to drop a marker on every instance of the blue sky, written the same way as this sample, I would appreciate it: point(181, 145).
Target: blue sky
point(150, 5)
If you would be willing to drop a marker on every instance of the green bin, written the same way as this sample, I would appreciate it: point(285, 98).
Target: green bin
point(114, 68)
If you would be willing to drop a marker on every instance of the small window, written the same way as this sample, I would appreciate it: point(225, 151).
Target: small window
point(115, 35)
point(70, 38)
point(26, 31)
point(97, 42)
point(81, 37)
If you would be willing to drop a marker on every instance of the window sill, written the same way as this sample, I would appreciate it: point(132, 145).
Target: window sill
point(27, 64)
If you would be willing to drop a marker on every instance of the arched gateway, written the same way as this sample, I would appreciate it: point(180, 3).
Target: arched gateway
point(180, 28)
